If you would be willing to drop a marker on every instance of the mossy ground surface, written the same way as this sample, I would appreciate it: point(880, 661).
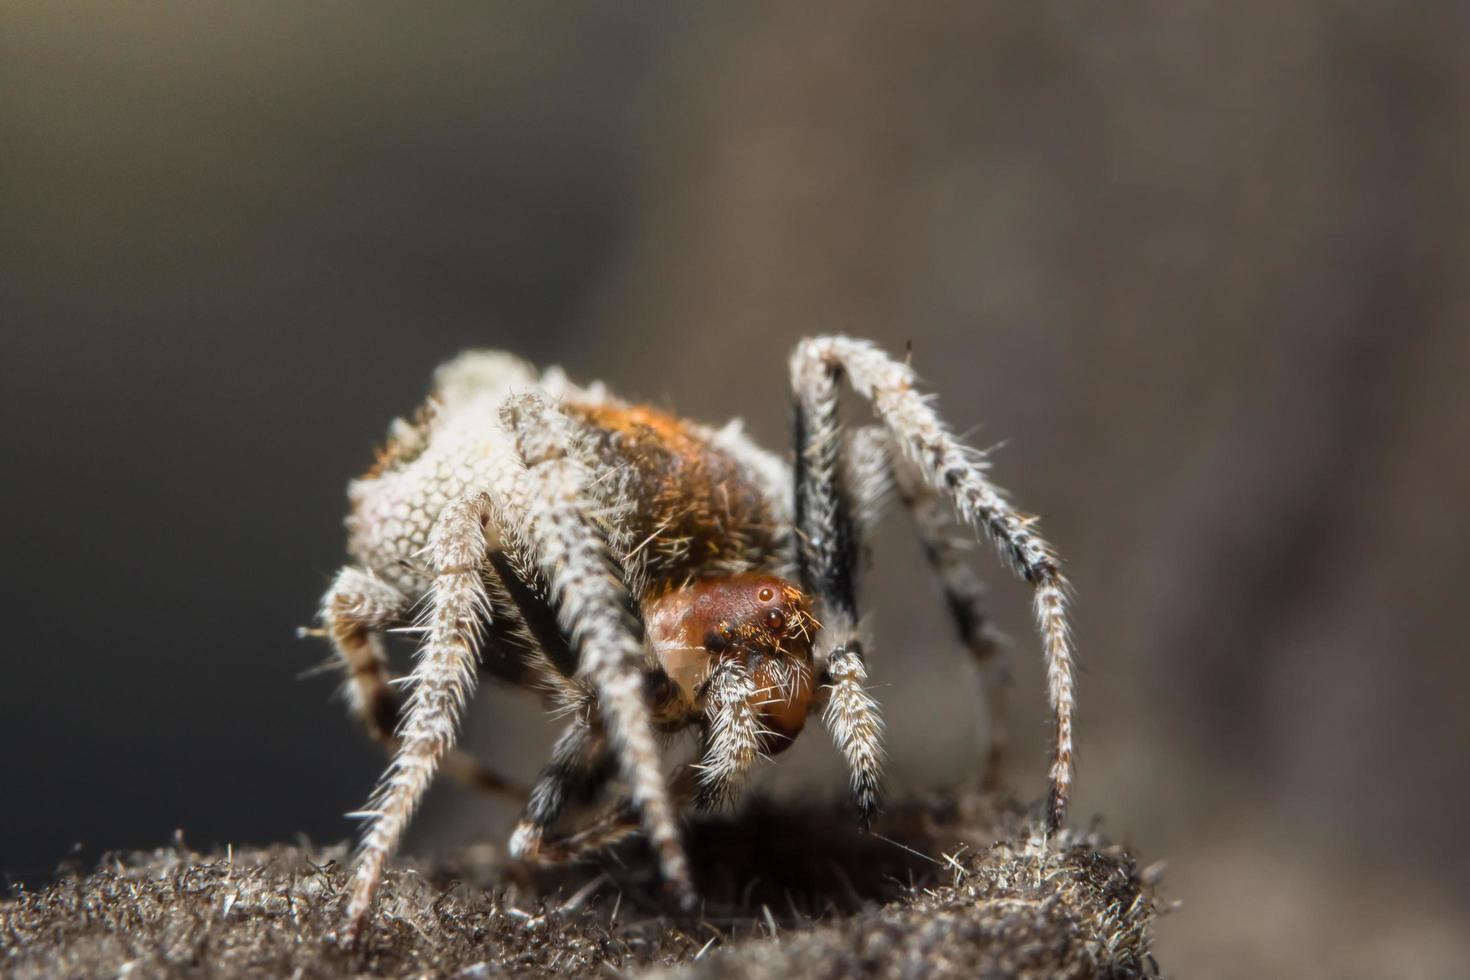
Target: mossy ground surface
point(943, 887)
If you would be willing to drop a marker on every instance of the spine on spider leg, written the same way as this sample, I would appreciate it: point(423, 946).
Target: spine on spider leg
point(596, 611)
point(442, 680)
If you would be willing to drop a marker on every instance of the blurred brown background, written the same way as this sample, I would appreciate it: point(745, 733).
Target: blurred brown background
point(1202, 269)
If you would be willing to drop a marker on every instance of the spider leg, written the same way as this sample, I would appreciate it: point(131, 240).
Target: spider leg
point(873, 473)
point(443, 678)
point(354, 613)
point(953, 470)
point(614, 825)
point(965, 597)
point(552, 507)
point(827, 558)
point(610, 828)
point(580, 769)
point(867, 472)
point(355, 610)
point(576, 771)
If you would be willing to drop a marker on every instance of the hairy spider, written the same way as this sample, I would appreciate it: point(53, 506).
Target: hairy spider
point(649, 575)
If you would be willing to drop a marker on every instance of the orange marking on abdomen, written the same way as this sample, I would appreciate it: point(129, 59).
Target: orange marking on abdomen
point(685, 492)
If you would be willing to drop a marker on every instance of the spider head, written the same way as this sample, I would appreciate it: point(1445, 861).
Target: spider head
point(760, 622)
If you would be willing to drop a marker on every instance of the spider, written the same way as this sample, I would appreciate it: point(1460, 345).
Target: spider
point(649, 575)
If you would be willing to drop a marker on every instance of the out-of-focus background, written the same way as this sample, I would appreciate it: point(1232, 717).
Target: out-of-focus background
point(1199, 269)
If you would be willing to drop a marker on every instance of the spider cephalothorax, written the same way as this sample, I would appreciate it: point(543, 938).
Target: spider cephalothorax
point(752, 631)
point(647, 574)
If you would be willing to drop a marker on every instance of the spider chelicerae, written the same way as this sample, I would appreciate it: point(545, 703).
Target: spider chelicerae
point(649, 575)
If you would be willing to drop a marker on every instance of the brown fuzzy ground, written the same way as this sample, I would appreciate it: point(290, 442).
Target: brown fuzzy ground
point(948, 889)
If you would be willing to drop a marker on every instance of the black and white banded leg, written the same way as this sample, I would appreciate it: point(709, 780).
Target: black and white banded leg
point(827, 558)
point(577, 770)
point(954, 471)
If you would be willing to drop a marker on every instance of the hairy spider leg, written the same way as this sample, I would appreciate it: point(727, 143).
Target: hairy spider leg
point(953, 470)
point(552, 508)
point(442, 679)
point(355, 611)
point(577, 771)
point(965, 596)
point(616, 823)
point(875, 472)
point(827, 557)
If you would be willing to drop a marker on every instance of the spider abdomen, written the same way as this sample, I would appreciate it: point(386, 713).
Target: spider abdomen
point(689, 509)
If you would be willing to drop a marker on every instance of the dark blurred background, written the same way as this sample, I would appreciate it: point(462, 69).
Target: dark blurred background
point(1201, 268)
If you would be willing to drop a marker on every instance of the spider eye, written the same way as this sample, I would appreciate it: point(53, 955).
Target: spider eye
point(717, 641)
point(775, 619)
point(766, 594)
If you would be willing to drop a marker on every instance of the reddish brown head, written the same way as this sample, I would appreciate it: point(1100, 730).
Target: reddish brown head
point(760, 620)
